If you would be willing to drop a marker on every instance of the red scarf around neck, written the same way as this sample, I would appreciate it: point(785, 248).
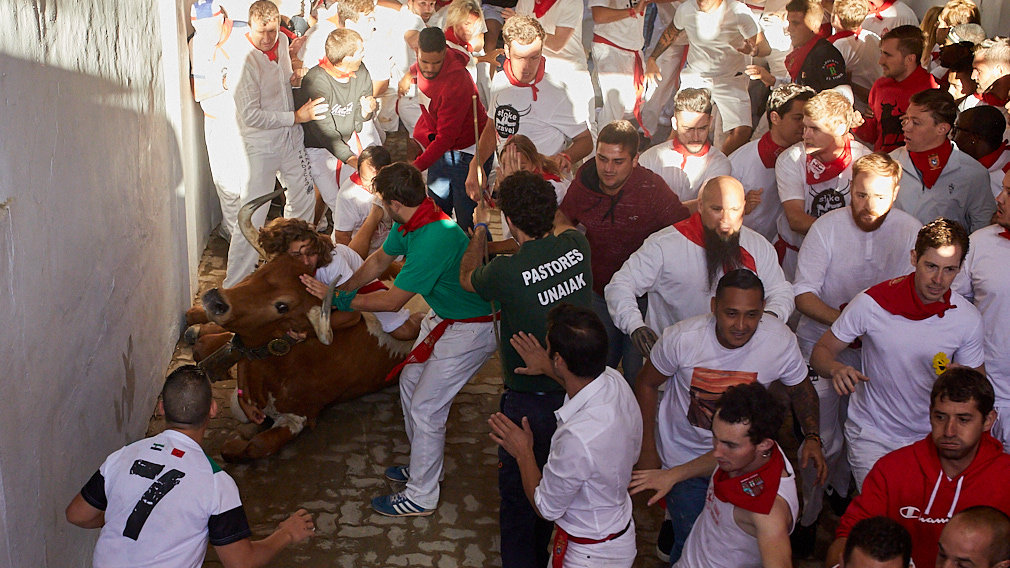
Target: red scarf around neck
point(684, 152)
point(517, 83)
point(898, 296)
point(877, 12)
point(796, 57)
point(356, 180)
point(755, 491)
point(842, 34)
point(989, 159)
point(332, 70)
point(1005, 233)
point(931, 162)
point(450, 36)
point(992, 99)
point(768, 150)
point(818, 171)
point(694, 231)
point(426, 212)
point(549, 176)
point(540, 7)
point(271, 53)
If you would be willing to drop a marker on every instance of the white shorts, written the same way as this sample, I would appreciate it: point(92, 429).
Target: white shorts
point(729, 94)
point(864, 451)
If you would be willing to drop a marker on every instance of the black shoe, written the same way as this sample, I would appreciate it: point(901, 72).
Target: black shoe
point(803, 540)
point(664, 544)
point(837, 503)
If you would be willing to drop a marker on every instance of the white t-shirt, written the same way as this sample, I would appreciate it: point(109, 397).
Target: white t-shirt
point(712, 36)
point(901, 356)
point(164, 500)
point(985, 278)
point(585, 480)
point(314, 47)
point(672, 166)
point(549, 122)
point(564, 14)
point(353, 205)
point(625, 32)
point(861, 53)
point(752, 173)
point(378, 45)
point(898, 14)
point(701, 369)
point(345, 262)
point(839, 260)
point(672, 271)
point(716, 529)
point(819, 198)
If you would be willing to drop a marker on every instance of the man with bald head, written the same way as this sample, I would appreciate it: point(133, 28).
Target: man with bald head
point(977, 536)
point(679, 266)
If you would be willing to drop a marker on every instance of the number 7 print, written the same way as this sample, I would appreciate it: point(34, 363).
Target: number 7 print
point(152, 496)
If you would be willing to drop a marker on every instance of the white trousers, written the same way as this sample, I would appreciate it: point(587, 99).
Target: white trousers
point(615, 74)
point(1001, 429)
point(284, 155)
point(229, 167)
point(669, 69)
point(426, 393)
point(729, 95)
point(617, 553)
point(864, 451)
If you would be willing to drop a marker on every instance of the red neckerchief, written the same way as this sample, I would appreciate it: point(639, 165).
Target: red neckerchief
point(989, 159)
point(844, 34)
point(271, 53)
point(898, 297)
point(931, 162)
point(426, 212)
point(332, 70)
point(450, 36)
point(694, 231)
point(356, 179)
point(684, 152)
point(991, 99)
point(825, 30)
point(549, 176)
point(768, 150)
point(517, 83)
point(638, 79)
point(796, 57)
point(887, 4)
point(754, 492)
point(540, 7)
point(1005, 233)
point(291, 35)
point(818, 171)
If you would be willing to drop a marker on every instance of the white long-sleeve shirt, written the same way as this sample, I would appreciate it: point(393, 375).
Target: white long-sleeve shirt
point(263, 95)
point(673, 272)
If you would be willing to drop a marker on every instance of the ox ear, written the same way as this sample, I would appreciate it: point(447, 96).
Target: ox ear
point(320, 316)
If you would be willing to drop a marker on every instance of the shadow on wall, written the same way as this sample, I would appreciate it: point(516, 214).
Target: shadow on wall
point(93, 278)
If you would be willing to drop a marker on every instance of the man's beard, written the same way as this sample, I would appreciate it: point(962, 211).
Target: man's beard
point(869, 228)
point(721, 252)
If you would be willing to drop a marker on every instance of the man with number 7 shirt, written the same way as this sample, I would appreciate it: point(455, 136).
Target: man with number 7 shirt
point(160, 500)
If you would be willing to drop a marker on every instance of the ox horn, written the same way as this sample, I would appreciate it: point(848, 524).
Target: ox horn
point(321, 320)
point(245, 220)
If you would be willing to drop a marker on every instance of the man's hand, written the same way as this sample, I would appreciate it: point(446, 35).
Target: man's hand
point(295, 46)
point(759, 73)
point(250, 409)
point(812, 451)
point(752, 200)
point(644, 338)
point(481, 213)
point(509, 162)
point(642, 5)
point(658, 480)
point(652, 71)
point(368, 105)
point(313, 109)
point(513, 439)
point(475, 181)
point(490, 57)
point(746, 46)
point(562, 161)
point(536, 358)
point(845, 379)
point(404, 85)
point(299, 526)
point(507, 13)
point(296, 77)
point(314, 287)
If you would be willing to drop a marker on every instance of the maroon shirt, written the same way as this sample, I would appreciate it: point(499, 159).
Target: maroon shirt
point(617, 225)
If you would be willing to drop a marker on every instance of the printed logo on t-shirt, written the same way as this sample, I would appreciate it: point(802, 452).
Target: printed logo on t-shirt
point(506, 119)
point(827, 200)
point(707, 385)
point(342, 110)
point(891, 133)
point(940, 363)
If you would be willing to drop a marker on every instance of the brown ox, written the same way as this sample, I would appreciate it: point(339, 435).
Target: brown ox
point(293, 359)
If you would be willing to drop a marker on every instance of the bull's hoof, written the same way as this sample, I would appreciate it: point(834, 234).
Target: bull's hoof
point(236, 450)
point(192, 334)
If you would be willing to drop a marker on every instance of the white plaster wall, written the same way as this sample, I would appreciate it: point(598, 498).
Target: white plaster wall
point(104, 207)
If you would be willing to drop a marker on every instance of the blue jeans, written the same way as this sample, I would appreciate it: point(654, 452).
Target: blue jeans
point(525, 537)
point(685, 502)
point(447, 186)
point(620, 348)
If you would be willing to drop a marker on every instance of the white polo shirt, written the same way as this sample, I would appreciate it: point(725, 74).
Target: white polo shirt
point(898, 356)
point(584, 488)
point(839, 260)
point(672, 166)
point(701, 369)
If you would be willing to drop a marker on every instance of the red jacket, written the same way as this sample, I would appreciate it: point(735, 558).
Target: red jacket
point(447, 122)
point(907, 485)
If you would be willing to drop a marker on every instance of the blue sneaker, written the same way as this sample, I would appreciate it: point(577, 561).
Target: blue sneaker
point(398, 473)
point(397, 505)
